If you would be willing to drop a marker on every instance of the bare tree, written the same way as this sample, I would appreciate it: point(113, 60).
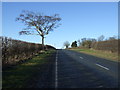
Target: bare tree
point(42, 24)
point(66, 44)
point(112, 38)
point(101, 38)
point(79, 42)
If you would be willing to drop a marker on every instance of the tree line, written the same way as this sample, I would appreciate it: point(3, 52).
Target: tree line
point(109, 44)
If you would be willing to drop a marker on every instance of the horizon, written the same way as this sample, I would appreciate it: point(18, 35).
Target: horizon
point(91, 21)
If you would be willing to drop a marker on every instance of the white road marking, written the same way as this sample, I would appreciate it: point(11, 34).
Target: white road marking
point(81, 57)
point(100, 86)
point(56, 71)
point(102, 66)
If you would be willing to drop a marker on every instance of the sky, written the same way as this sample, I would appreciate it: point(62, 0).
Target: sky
point(79, 20)
point(60, 0)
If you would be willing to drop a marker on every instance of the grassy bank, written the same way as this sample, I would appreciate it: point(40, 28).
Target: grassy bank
point(98, 53)
point(19, 76)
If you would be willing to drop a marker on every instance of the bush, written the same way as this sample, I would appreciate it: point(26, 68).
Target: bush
point(109, 45)
point(16, 50)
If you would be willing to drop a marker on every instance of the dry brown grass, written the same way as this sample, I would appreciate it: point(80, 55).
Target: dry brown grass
point(99, 53)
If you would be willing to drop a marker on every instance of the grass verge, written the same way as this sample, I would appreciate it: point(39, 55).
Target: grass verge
point(19, 76)
point(98, 53)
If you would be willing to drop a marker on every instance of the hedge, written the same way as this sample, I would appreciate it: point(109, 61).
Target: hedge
point(109, 45)
point(16, 50)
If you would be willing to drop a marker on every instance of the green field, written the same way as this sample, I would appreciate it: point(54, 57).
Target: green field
point(98, 53)
point(19, 76)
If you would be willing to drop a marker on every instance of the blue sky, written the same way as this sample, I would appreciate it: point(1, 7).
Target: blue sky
point(79, 20)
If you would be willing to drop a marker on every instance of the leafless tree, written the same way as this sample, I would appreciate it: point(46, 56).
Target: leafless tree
point(101, 38)
point(66, 44)
point(38, 24)
point(79, 42)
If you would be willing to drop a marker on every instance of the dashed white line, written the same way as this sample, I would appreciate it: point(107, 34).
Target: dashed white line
point(81, 57)
point(100, 86)
point(102, 66)
point(56, 71)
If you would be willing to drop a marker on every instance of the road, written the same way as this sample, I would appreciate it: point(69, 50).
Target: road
point(70, 69)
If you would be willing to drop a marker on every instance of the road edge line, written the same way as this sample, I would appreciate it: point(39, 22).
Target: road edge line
point(56, 71)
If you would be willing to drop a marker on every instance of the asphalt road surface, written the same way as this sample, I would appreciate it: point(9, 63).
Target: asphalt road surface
point(70, 69)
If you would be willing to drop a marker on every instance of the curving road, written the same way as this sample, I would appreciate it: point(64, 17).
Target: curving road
point(78, 70)
point(70, 69)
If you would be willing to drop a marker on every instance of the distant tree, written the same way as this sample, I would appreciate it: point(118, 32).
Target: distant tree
point(66, 44)
point(42, 24)
point(87, 42)
point(74, 44)
point(79, 42)
point(115, 36)
point(111, 38)
point(93, 40)
point(101, 38)
point(82, 41)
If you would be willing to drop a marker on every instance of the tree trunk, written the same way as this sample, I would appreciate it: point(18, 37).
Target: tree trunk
point(43, 43)
point(66, 47)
